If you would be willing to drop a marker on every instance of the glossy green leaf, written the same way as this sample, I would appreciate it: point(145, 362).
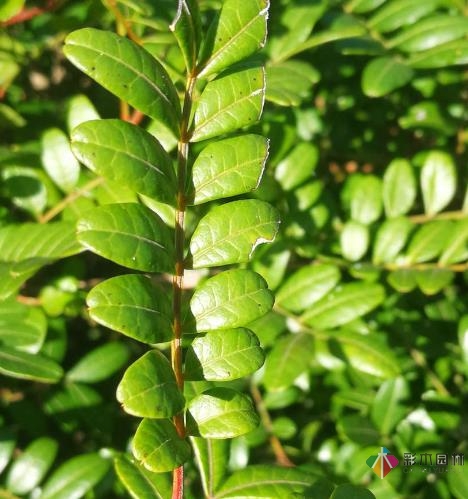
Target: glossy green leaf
point(390, 239)
point(403, 280)
point(228, 103)
point(438, 181)
point(354, 240)
point(384, 75)
point(298, 166)
point(158, 446)
point(10, 8)
point(212, 461)
point(223, 355)
point(428, 242)
point(399, 188)
point(229, 233)
point(128, 234)
point(58, 159)
point(431, 281)
point(80, 109)
point(456, 247)
point(237, 32)
point(7, 446)
point(127, 70)
point(100, 363)
point(221, 413)
point(398, 13)
point(187, 31)
point(363, 195)
point(23, 365)
point(289, 358)
point(344, 304)
point(448, 54)
point(28, 470)
point(22, 327)
point(307, 285)
point(141, 483)
point(348, 491)
point(149, 389)
point(290, 82)
point(229, 167)
point(266, 481)
point(75, 477)
point(430, 32)
point(230, 299)
point(126, 154)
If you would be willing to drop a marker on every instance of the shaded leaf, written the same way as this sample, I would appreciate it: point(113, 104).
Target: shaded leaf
point(399, 188)
point(462, 338)
point(403, 280)
point(230, 299)
point(229, 233)
point(390, 239)
point(384, 75)
point(7, 446)
point(458, 483)
point(388, 407)
point(428, 242)
point(362, 6)
point(432, 281)
point(358, 429)
point(348, 491)
point(128, 234)
point(298, 166)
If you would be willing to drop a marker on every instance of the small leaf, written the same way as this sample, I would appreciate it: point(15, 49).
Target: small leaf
point(229, 233)
point(158, 446)
point(221, 413)
point(100, 363)
point(229, 167)
point(403, 280)
point(127, 70)
point(298, 166)
point(131, 305)
point(75, 477)
point(80, 109)
point(30, 467)
point(383, 75)
point(228, 103)
point(344, 304)
point(126, 154)
point(438, 181)
point(223, 355)
point(390, 239)
point(354, 240)
point(187, 31)
point(290, 356)
point(448, 54)
point(363, 195)
point(149, 389)
point(230, 299)
point(7, 446)
point(24, 365)
point(128, 234)
point(456, 247)
point(58, 159)
point(432, 281)
point(399, 188)
point(238, 31)
point(428, 242)
point(307, 285)
point(141, 483)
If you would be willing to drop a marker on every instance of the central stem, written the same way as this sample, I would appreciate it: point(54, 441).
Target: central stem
point(178, 278)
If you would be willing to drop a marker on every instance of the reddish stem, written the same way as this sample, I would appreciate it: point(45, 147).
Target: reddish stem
point(27, 14)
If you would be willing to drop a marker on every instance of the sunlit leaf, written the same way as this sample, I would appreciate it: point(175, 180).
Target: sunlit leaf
point(403, 280)
point(80, 109)
point(9, 8)
point(363, 196)
point(298, 166)
point(388, 407)
point(390, 239)
point(187, 31)
point(354, 240)
point(431, 281)
point(399, 188)
point(456, 247)
point(448, 54)
point(428, 242)
point(384, 75)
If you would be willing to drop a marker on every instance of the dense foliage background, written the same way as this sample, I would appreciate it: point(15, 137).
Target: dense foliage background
point(367, 343)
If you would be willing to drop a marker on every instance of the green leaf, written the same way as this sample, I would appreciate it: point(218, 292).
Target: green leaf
point(307, 285)
point(348, 491)
point(432, 281)
point(126, 154)
point(223, 355)
point(399, 188)
point(131, 305)
point(428, 242)
point(383, 75)
point(73, 397)
point(362, 6)
point(388, 407)
point(212, 461)
point(229, 233)
point(7, 446)
point(231, 299)
point(462, 338)
point(26, 187)
point(158, 446)
point(22, 327)
point(80, 109)
point(128, 234)
point(403, 280)
point(28, 470)
point(237, 32)
point(390, 239)
point(100, 363)
point(229, 167)
point(58, 160)
point(290, 356)
point(10, 8)
point(127, 70)
point(456, 247)
point(75, 477)
point(458, 483)
point(344, 304)
point(427, 114)
point(359, 429)
point(149, 389)
point(266, 481)
point(363, 195)
point(354, 240)
point(228, 103)
point(221, 413)
point(298, 166)
point(141, 483)
point(430, 32)
point(187, 31)
point(22, 365)
point(438, 181)
point(448, 54)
